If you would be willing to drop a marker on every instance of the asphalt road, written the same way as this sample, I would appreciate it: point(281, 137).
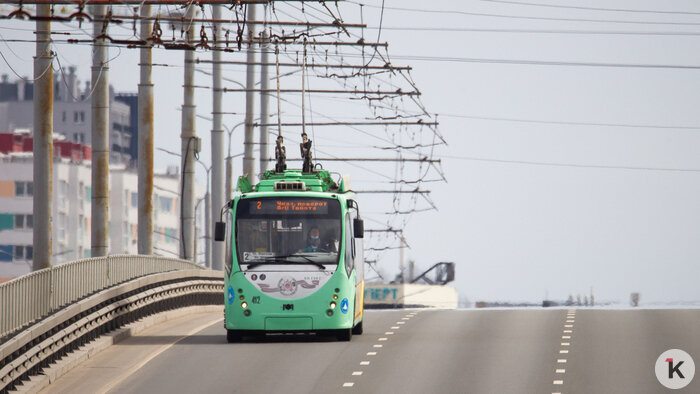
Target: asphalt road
point(407, 351)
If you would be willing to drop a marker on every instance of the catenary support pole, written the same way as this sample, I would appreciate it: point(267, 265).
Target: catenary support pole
point(43, 141)
point(100, 137)
point(188, 140)
point(248, 159)
point(145, 137)
point(217, 153)
point(264, 103)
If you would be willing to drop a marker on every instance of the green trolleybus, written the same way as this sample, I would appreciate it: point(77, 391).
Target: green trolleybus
point(294, 256)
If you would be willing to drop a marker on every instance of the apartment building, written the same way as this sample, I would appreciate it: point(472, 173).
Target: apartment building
point(71, 206)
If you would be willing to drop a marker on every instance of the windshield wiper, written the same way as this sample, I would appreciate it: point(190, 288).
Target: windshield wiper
point(283, 259)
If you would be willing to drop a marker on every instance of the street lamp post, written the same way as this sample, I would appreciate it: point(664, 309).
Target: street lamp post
point(229, 164)
point(207, 219)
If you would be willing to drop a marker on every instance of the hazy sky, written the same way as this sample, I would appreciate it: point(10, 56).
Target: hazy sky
point(527, 224)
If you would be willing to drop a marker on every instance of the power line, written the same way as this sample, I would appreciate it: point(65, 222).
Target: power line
point(553, 164)
point(573, 7)
point(544, 62)
point(544, 31)
point(507, 16)
point(640, 126)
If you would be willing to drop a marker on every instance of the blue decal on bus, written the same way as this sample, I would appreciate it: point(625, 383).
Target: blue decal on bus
point(230, 295)
point(344, 305)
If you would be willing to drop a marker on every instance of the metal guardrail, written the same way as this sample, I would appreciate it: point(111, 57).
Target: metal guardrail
point(28, 298)
point(30, 351)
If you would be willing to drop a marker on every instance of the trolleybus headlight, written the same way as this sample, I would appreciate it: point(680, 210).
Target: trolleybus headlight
point(335, 296)
point(332, 305)
point(244, 305)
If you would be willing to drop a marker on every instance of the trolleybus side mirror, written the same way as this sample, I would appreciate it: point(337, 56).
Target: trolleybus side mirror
point(220, 231)
point(359, 228)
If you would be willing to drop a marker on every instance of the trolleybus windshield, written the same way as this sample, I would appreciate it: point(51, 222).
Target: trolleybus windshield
point(288, 231)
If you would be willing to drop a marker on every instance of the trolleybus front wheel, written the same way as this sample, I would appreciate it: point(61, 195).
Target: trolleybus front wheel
point(357, 330)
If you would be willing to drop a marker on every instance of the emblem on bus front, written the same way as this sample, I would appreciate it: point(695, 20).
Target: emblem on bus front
point(287, 286)
point(344, 305)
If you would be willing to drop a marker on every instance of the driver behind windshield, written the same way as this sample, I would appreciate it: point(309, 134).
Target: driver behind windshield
point(313, 240)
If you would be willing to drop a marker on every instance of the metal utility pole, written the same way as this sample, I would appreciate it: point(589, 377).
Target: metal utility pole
point(264, 102)
point(145, 136)
point(43, 140)
point(207, 232)
point(216, 255)
point(248, 159)
point(189, 142)
point(100, 136)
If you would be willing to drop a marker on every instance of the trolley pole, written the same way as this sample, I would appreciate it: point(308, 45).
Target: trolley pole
point(43, 141)
point(145, 136)
point(100, 137)
point(189, 141)
point(264, 102)
point(216, 256)
point(248, 159)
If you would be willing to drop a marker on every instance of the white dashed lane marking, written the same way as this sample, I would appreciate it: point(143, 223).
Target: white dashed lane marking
point(558, 382)
point(563, 351)
point(378, 345)
point(560, 371)
point(561, 361)
point(348, 384)
point(389, 333)
point(382, 339)
point(371, 353)
point(395, 327)
point(364, 362)
point(357, 373)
